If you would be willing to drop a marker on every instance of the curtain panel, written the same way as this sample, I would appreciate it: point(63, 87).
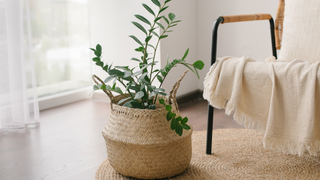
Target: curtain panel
point(18, 98)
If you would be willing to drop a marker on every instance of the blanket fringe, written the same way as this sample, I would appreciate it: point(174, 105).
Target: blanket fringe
point(300, 148)
point(239, 116)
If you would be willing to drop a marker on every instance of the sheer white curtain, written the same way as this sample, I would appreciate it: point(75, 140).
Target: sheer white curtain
point(18, 97)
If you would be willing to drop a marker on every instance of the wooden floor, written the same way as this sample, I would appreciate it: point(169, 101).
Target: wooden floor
point(68, 144)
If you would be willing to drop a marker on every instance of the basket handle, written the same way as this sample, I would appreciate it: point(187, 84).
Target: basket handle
point(173, 92)
point(95, 78)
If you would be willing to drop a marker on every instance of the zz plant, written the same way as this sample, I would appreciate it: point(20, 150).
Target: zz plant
point(138, 81)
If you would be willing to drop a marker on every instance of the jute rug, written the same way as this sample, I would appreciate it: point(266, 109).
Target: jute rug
point(238, 154)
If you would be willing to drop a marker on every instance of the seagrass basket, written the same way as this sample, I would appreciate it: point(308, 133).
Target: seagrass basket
point(141, 144)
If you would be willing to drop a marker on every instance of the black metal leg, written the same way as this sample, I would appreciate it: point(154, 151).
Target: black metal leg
point(209, 130)
point(273, 40)
point(213, 59)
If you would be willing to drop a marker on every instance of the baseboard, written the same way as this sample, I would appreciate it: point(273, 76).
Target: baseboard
point(190, 97)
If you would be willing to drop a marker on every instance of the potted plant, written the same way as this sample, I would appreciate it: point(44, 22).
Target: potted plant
point(145, 136)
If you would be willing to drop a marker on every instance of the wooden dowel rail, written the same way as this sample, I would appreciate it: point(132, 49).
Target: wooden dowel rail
point(245, 17)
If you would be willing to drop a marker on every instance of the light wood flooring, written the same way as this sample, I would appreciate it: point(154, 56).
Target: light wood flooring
point(68, 144)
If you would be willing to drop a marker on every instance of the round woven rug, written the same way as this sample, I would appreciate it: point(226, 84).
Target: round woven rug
point(238, 154)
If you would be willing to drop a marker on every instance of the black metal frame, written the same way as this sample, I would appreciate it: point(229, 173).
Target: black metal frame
point(213, 60)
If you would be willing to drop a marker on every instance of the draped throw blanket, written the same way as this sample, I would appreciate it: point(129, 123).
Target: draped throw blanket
point(282, 99)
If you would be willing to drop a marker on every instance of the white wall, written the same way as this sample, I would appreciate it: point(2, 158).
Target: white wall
point(234, 39)
point(184, 36)
point(110, 26)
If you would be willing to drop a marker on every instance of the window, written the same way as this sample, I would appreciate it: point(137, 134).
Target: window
point(60, 46)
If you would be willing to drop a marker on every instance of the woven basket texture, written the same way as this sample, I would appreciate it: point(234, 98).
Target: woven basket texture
point(141, 144)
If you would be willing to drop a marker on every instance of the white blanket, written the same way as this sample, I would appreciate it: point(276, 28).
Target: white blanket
point(280, 98)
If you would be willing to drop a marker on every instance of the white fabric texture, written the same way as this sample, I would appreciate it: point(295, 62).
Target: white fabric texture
point(282, 99)
point(18, 98)
point(300, 38)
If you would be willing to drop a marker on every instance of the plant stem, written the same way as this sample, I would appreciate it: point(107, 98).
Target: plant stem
point(155, 50)
point(146, 46)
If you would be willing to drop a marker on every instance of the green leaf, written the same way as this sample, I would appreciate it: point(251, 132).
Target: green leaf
point(171, 16)
point(93, 49)
point(166, 19)
point(176, 21)
point(123, 100)
point(161, 10)
point(148, 39)
point(185, 126)
point(136, 104)
point(148, 9)
point(136, 39)
point(196, 71)
point(161, 101)
point(105, 68)
point(162, 93)
point(123, 67)
point(179, 118)
point(167, 1)
point(168, 116)
point(159, 90)
point(95, 87)
point(140, 27)
point(160, 25)
point(173, 124)
point(163, 72)
point(127, 74)
point(128, 104)
point(157, 19)
point(173, 25)
point(151, 46)
point(185, 54)
point(98, 48)
point(142, 77)
point(167, 69)
point(96, 59)
point(163, 36)
point(154, 33)
point(135, 59)
point(136, 89)
point(159, 78)
point(152, 29)
point(153, 106)
point(118, 90)
point(99, 63)
point(156, 2)
point(140, 49)
point(198, 64)
point(138, 72)
point(116, 72)
point(139, 95)
point(108, 87)
point(186, 65)
point(184, 120)
point(179, 129)
point(103, 87)
point(143, 19)
point(114, 86)
point(97, 53)
point(168, 107)
point(109, 78)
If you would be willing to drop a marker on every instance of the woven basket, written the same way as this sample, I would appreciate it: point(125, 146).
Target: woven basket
point(141, 144)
